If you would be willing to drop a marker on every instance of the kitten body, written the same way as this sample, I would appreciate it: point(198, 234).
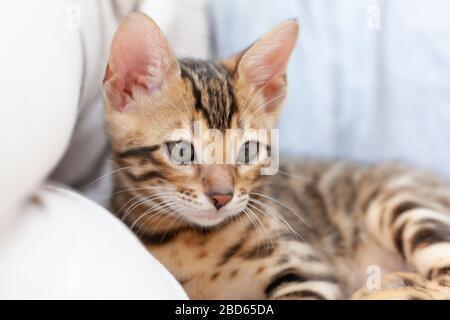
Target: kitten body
point(316, 230)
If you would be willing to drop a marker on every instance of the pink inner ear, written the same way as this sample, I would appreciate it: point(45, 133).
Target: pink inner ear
point(264, 63)
point(137, 77)
point(137, 60)
point(267, 73)
point(131, 62)
point(266, 70)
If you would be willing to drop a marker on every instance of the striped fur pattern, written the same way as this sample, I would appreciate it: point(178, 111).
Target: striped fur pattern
point(309, 232)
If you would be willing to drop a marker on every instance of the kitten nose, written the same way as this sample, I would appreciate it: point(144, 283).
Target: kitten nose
point(219, 200)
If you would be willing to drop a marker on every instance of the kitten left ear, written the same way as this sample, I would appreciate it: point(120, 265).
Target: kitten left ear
point(140, 61)
point(264, 63)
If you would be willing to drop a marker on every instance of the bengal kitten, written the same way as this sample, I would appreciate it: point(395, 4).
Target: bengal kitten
point(317, 230)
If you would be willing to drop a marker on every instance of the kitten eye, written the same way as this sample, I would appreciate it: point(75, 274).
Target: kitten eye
point(248, 153)
point(181, 152)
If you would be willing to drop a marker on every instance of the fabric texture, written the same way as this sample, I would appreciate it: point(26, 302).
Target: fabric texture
point(368, 80)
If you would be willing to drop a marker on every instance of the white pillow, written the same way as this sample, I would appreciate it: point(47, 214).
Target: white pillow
point(40, 62)
point(64, 246)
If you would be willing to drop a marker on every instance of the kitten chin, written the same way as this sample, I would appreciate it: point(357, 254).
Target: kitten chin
point(211, 218)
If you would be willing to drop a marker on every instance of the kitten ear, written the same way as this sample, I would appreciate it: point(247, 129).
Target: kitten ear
point(140, 61)
point(264, 63)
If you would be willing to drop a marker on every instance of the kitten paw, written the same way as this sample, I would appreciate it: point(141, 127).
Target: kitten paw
point(407, 286)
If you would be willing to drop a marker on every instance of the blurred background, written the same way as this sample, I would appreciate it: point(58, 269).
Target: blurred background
point(369, 80)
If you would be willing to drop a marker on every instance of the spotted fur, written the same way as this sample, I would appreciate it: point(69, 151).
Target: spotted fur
point(309, 232)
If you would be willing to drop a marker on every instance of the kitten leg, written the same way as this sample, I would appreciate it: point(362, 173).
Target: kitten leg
point(308, 290)
point(275, 268)
point(411, 216)
point(280, 275)
point(407, 286)
point(421, 236)
point(300, 274)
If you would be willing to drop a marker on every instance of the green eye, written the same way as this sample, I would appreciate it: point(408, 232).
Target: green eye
point(181, 152)
point(248, 153)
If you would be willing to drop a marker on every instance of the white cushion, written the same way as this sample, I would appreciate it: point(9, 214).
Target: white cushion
point(66, 247)
point(41, 76)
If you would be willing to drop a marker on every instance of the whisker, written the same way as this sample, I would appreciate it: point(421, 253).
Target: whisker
point(132, 190)
point(281, 204)
point(108, 174)
point(149, 216)
point(168, 228)
point(144, 200)
point(254, 221)
point(265, 114)
point(293, 175)
point(144, 188)
point(274, 214)
point(259, 108)
point(258, 92)
point(268, 235)
point(164, 219)
point(153, 213)
point(177, 218)
point(160, 207)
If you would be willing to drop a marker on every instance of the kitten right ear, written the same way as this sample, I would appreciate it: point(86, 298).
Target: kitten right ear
point(140, 61)
point(263, 64)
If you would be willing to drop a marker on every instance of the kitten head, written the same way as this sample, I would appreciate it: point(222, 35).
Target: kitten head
point(183, 131)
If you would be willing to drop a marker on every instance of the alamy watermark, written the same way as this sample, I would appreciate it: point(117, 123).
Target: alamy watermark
point(73, 278)
point(373, 281)
point(232, 146)
point(73, 21)
point(373, 20)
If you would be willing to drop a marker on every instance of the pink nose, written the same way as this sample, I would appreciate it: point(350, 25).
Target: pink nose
point(219, 200)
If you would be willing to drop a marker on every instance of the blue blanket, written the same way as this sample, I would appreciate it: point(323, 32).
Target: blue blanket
point(369, 80)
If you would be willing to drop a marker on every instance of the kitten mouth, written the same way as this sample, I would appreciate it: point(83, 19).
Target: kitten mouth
point(207, 218)
point(210, 215)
